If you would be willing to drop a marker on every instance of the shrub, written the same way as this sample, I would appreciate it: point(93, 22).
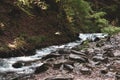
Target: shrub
point(111, 30)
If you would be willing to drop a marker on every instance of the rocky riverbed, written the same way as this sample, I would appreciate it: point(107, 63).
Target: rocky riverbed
point(98, 60)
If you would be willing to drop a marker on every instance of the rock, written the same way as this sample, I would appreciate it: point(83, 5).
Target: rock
point(109, 53)
point(77, 52)
point(100, 44)
point(60, 78)
point(96, 39)
point(64, 51)
point(94, 63)
point(78, 58)
point(41, 69)
point(104, 71)
point(116, 53)
point(18, 65)
point(69, 67)
point(97, 51)
point(117, 76)
point(111, 74)
point(108, 47)
point(59, 63)
point(52, 55)
point(89, 52)
point(98, 57)
point(85, 71)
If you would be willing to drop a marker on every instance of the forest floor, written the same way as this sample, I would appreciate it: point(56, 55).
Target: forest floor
point(98, 60)
point(20, 32)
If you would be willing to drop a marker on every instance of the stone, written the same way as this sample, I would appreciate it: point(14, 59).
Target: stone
point(109, 53)
point(77, 52)
point(104, 71)
point(78, 58)
point(18, 65)
point(116, 53)
point(85, 71)
point(97, 51)
point(59, 78)
point(96, 39)
point(41, 69)
point(117, 76)
point(59, 63)
point(64, 51)
point(107, 47)
point(69, 67)
point(52, 55)
point(98, 57)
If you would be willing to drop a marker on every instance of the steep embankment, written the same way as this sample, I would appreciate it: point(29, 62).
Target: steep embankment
point(20, 32)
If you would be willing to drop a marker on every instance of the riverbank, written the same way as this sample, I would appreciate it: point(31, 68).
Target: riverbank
point(98, 59)
point(94, 61)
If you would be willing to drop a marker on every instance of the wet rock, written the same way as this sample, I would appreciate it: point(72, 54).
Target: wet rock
point(64, 51)
point(41, 69)
point(96, 39)
point(60, 78)
point(18, 65)
point(52, 55)
point(78, 58)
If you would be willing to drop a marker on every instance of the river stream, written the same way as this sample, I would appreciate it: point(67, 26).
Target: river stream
point(6, 64)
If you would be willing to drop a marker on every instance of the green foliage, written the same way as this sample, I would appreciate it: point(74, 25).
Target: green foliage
point(99, 18)
point(76, 12)
point(111, 30)
point(97, 15)
point(79, 8)
point(98, 21)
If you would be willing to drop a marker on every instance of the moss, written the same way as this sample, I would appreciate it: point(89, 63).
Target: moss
point(36, 39)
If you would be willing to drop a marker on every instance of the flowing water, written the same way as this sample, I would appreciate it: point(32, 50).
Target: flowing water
point(6, 64)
